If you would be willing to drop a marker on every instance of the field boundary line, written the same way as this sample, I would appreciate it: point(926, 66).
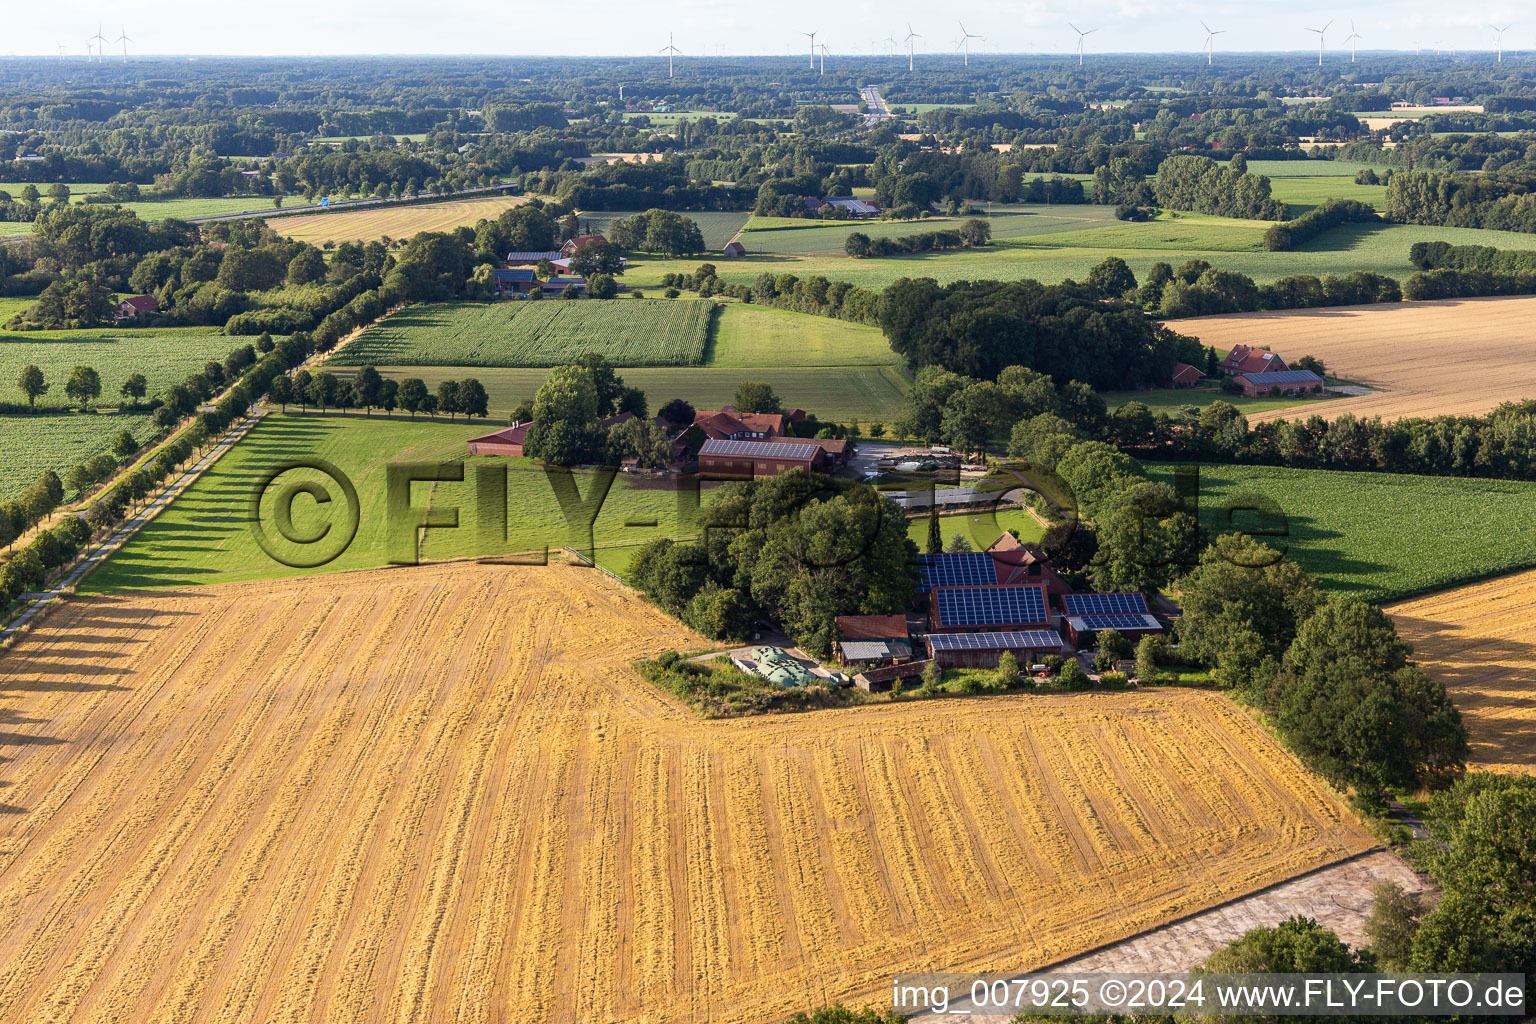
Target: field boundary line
point(124, 532)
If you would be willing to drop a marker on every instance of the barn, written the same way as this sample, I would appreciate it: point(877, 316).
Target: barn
point(981, 650)
point(733, 250)
point(746, 460)
point(957, 569)
point(992, 608)
point(1184, 376)
point(872, 639)
point(1281, 382)
point(1127, 614)
point(508, 441)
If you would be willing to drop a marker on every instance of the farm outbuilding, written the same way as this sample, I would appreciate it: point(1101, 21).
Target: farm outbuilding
point(746, 460)
point(1125, 613)
point(509, 440)
point(872, 639)
point(981, 650)
point(1184, 376)
point(733, 250)
point(879, 680)
point(1247, 359)
point(989, 608)
point(1281, 382)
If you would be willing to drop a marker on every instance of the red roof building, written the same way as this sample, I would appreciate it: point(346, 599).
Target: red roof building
point(509, 440)
point(1017, 562)
point(1184, 376)
point(135, 305)
point(729, 425)
point(580, 240)
point(733, 250)
point(1247, 359)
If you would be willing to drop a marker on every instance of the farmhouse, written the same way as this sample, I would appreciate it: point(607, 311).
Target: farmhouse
point(569, 248)
point(745, 460)
point(134, 305)
point(1281, 382)
point(1247, 359)
point(988, 608)
point(514, 282)
point(1126, 614)
point(729, 425)
point(528, 259)
point(1013, 561)
point(1184, 376)
point(981, 650)
point(509, 440)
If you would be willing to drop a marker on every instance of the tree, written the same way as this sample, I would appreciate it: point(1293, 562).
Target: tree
point(641, 440)
point(306, 267)
point(1007, 675)
point(1148, 650)
point(857, 245)
point(958, 544)
point(1112, 278)
point(473, 400)
point(1297, 945)
point(58, 192)
point(134, 388)
point(757, 396)
point(367, 384)
point(935, 535)
point(1146, 537)
point(677, 412)
point(123, 445)
point(84, 384)
point(570, 291)
point(32, 384)
point(413, 393)
point(594, 257)
point(1391, 924)
point(323, 389)
point(602, 286)
point(281, 390)
point(448, 397)
point(544, 269)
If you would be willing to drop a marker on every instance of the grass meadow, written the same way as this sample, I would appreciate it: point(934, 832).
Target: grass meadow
point(165, 356)
point(758, 336)
point(1377, 536)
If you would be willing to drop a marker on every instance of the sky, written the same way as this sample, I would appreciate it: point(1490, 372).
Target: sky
point(710, 27)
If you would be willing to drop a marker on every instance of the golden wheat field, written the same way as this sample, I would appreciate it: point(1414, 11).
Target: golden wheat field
point(400, 222)
point(440, 794)
point(1457, 357)
point(1477, 640)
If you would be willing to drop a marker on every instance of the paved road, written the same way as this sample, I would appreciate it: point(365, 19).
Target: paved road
point(878, 111)
point(130, 526)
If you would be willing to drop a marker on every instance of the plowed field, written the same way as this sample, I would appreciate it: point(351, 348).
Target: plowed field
point(1477, 640)
point(440, 794)
point(1457, 357)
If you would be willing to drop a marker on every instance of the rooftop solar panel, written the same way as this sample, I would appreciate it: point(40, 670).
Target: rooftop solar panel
point(1098, 622)
point(965, 569)
point(991, 606)
point(1032, 639)
point(759, 449)
point(1104, 604)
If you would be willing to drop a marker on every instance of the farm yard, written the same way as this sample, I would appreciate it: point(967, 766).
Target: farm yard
point(647, 332)
point(440, 793)
point(717, 226)
point(1477, 640)
point(58, 441)
point(372, 223)
point(1378, 536)
point(1458, 357)
point(165, 356)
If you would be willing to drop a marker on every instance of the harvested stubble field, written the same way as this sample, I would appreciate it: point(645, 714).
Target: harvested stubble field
point(649, 332)
point(1477, 640)
point(441, 794)
point(388, 220)
point(1457, 357)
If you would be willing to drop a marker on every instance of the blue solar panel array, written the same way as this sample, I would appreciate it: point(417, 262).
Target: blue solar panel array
point(1104, 604)
point(991, 606)
point(1098, 622)
point(759, 449)
point(1031, 639)
point(967, 569)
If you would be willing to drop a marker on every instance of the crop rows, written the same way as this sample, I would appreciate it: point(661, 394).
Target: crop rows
point(164, 357)
point(58, 441)
point(537, 334)
point(440, 794)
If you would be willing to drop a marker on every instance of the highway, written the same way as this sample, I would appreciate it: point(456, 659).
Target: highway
point(878, 111)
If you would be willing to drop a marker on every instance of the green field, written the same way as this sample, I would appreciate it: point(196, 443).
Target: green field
point(1228, 244)
point(1380, 536)
point(58, 441)
point(864, 393)
point(717, 226)
point(1169, 400)
point(156, 209)
point(747, 335)
point(980, 529)
point(206, 537)
point(165, 356)
point(787, 235)
point(650, 332)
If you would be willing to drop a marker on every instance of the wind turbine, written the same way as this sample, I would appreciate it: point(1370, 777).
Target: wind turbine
point(910, 36)
point(1210, 40)
point(890, 41)
point(61, 53)
point(812, 36)
point(1320, 32)
point(965, 41)
point(1352, 39)
point(671, 52)
point(101, 43)
point(1081, 35)
point(122, 37)
point(1499, 39)
point(823, 49)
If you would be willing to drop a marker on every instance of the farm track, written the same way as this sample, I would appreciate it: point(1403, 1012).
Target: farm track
point(1476, 640)
point(440, 793)
point(1452, 357)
